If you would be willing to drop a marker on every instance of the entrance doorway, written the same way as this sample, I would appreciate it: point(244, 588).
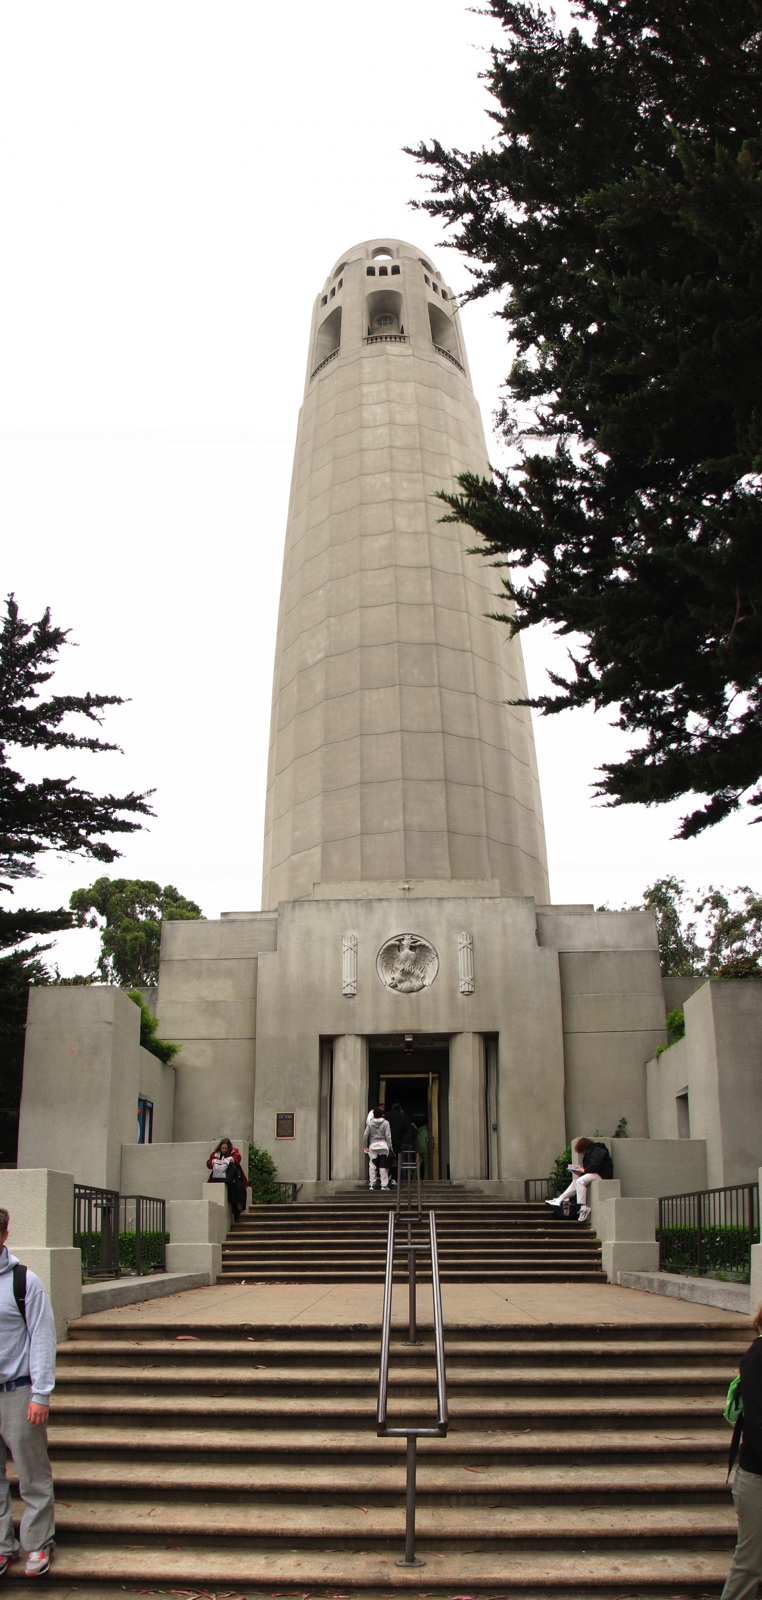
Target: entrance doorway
point(415, 1075)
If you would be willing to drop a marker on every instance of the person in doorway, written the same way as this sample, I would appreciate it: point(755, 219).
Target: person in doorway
point(746, 1568)
point(225, 1167)
point(377, 1145)
point(422, 1146)
point(398, 1123)
point(27, 1376)
point(593, 1161)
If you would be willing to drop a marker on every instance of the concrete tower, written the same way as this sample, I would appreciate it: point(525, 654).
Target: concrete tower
point(393, 754)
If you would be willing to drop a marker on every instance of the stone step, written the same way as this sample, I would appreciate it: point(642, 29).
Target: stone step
point(500, 1528)
point(384, 1480)
point(463, 1381)
point(627, 1409)
point(240, 1568)
point(665, 1443)
point(186, 1337)
point(207, 1354)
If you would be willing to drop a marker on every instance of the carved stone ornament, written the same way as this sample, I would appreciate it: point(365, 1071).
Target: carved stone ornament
point(407, 963)
point(466, 963)
point(349, 964)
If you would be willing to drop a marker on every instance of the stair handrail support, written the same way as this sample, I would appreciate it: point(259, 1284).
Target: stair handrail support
point(411, 1434)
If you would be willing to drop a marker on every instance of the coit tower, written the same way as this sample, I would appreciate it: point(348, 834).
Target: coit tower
point(396, 755)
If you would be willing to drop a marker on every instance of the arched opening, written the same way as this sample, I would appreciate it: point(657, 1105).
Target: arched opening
point(383, 315)
point(328, 337)
point(444, 333)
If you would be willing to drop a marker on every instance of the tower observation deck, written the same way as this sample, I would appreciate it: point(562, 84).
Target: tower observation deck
point(394, 754)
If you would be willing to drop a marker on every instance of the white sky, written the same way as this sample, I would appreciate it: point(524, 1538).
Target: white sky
point(176, 180)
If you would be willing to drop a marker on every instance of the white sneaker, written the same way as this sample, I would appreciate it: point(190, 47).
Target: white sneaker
point(584, 1212)
point(552, 1202)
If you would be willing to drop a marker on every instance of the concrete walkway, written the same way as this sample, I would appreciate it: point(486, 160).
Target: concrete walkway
point(464, 1305)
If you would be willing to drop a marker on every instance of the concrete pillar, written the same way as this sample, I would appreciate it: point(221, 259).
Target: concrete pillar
point(468, 1153)
point(196, 1230)
point(349, 1105)
point(755, 1281)
point(41, 1207)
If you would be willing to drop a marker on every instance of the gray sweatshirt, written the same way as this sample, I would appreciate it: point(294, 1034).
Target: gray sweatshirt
point(26, 1352)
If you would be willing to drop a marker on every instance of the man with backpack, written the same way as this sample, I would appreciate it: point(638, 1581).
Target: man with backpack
point(27, 1376)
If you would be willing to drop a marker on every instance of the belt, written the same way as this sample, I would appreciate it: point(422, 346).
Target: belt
point(15, 1383)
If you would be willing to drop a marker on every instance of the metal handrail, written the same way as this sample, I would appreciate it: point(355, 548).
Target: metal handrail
point(405, 1169)
point(411, 1434)
point(708, 1214)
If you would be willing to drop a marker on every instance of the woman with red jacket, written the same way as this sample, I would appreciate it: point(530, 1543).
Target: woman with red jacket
point(225, 1167)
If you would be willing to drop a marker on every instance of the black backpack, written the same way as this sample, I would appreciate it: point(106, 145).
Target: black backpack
point(19, 1287)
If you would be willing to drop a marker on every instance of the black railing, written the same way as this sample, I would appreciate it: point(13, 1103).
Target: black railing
point(96, 1230)
point(119, 1233)
point(411, 1433)
point(142, 1218)
point(710, 1231)
point(537, 1189)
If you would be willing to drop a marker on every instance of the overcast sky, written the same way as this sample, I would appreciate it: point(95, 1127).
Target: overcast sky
point(176, 180)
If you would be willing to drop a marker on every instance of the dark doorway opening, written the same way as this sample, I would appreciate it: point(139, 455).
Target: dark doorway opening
point(418, 1079)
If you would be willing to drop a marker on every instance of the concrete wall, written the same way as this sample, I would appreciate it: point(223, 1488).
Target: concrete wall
point(170, 1171)
point(659, 1166)
point(83, 1068)
point(719, 1063)
point(208, 1003)
point(613, 1011)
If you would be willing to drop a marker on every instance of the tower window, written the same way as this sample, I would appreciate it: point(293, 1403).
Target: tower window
point(370, 272)
point(340, 269)
point(384, 254)
point(328, 338)
point(333, 293)
point(383, 272)
point(445, 295)
point(427, 279)
point(324, 300)
point(444, 333)
point(395, 272)
point(435, 287)
point(340, 283)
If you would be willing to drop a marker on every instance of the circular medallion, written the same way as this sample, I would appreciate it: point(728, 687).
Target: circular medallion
point(407, 963)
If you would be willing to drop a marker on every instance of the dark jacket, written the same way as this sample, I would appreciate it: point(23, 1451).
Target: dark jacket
point(598, 1159)
point(750, 1457)
point(398, 1124)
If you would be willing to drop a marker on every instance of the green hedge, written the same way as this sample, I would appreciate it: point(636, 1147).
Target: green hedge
point(150, 1250)
point(722, 1250)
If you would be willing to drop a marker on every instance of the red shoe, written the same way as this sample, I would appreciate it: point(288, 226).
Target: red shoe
point(38, 1562)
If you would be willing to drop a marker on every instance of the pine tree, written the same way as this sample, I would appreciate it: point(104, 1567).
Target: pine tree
point(618, 214)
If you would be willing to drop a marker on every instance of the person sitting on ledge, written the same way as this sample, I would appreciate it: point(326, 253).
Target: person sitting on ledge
point(225, 1167)
point(595, 1163)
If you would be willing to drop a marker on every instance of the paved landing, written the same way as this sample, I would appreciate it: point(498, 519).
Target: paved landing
point(464, 1305)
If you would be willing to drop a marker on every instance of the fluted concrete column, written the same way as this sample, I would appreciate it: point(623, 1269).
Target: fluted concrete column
point(349, 1101)
point(468, 1147)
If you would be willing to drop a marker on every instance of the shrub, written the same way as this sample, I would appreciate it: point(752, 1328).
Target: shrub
point(558, 1177)
point(265, 1191)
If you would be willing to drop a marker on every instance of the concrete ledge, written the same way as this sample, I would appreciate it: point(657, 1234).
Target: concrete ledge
point(702, 1291)
point(130, 1291)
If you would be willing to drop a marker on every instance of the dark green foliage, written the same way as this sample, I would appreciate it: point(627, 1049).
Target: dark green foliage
point(37, 816)
point(164, 1049)
point(262, 1169)
point(617, 211)
point(129, 913)
point(558, 1177)
point(675, 1025)
point(152, 1255)
point(724, 1251)
point(17, 971)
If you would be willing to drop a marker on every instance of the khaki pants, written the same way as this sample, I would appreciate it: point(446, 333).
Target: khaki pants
point(746, 1570)
point(29, 1447)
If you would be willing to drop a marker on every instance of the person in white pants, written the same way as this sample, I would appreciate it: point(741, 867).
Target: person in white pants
point(377, 1144)
point(595, 1163)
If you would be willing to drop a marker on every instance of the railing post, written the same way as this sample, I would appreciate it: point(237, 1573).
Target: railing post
point(410, 1558)
point(699, 1232)
point(412, 1337)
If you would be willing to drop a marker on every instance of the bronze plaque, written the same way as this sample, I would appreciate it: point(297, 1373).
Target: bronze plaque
point(284, 1124)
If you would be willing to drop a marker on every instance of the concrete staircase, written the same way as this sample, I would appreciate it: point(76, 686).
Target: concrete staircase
point(243, 1461)
point(344, 1241)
